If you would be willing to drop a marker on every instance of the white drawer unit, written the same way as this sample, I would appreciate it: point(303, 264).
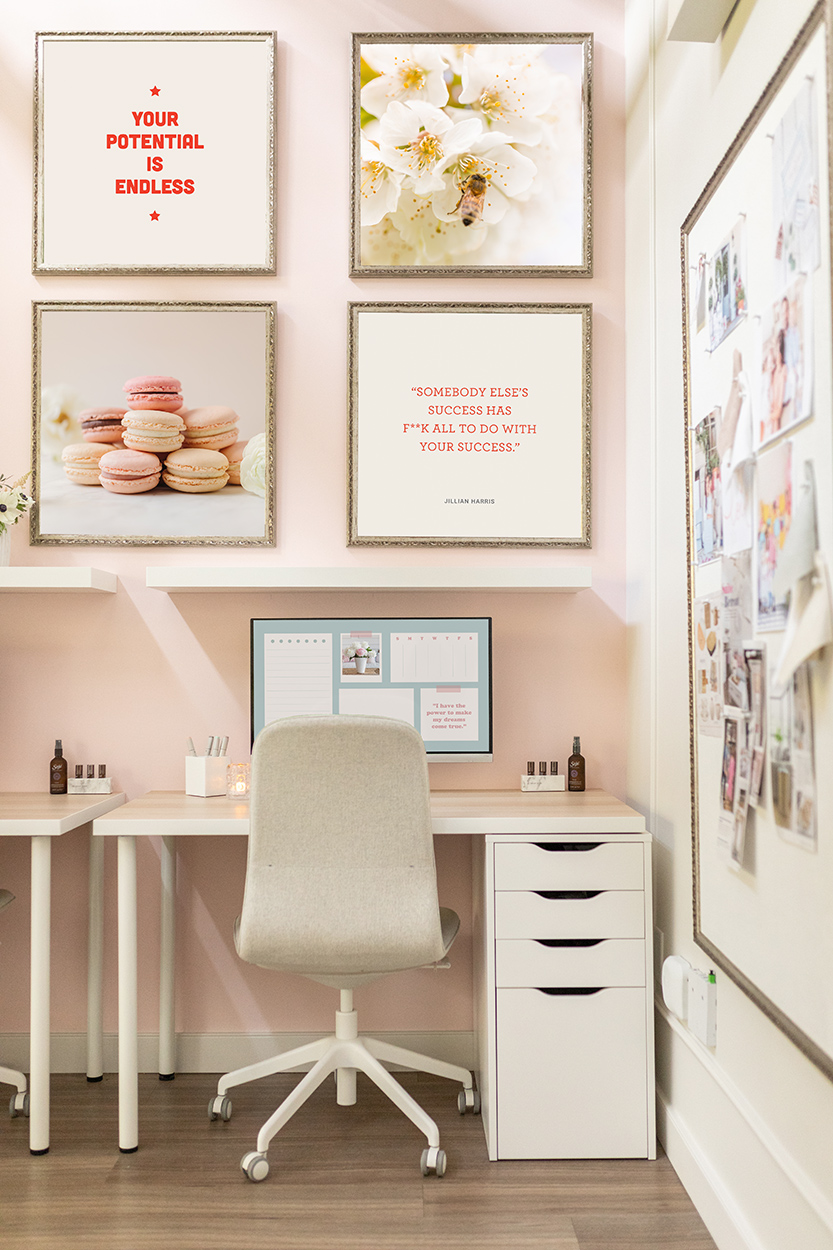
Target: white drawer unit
point(564, 1002)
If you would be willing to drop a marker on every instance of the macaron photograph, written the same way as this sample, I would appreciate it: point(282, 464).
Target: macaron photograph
point(157, 395)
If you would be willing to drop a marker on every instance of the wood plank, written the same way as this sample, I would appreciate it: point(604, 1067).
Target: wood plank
point(345, 1177)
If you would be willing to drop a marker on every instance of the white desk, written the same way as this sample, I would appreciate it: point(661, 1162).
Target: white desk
point(171, 814)
point(42, 817)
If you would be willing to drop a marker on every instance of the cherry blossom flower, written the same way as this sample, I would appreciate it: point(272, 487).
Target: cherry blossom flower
point(418, 140)
point(511, 97)
point(410, 72)
point(379, 185)
point(434, 242)
point(508, 175)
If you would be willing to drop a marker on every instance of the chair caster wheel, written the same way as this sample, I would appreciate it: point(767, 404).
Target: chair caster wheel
point(433, 1160)
point(219, 1108)
point(19, 1104)
point(255, 1165)
point(468, 1100)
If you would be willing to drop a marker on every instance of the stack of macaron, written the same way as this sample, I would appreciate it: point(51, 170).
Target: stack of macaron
point(128, 450)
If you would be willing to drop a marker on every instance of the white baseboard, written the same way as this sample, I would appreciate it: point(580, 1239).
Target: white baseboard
point(715, 1205)
point(220, 1052)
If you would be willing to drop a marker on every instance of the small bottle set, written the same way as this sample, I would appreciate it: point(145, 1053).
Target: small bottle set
point(545, 781)
point(61, 783)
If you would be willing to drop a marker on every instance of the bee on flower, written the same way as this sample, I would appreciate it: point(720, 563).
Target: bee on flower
point(471, 154)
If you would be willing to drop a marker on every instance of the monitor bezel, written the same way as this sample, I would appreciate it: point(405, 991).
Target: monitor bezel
point(434, 757)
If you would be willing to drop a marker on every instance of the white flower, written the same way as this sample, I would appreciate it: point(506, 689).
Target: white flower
point(508, 175)
point(418, 140)
point(509, 96)
point(379, 185)
point(434, 242)
point(382, 244)
point(59, 406)
point(253, 466)
point(14, 502)
point(406, 72)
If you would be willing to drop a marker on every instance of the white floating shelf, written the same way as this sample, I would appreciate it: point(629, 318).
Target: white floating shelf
point(44, 578)
point(175, 579)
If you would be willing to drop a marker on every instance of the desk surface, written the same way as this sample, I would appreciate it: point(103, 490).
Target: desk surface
point(172, 813)
point(31, 815)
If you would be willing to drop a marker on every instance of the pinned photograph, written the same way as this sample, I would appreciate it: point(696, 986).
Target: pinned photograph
point(361, 657)
point(726, 286)
point(786, 384)
point(795, 187)
point(774, 476)
point(707, 503)
point(471, 156)
point(708, 658)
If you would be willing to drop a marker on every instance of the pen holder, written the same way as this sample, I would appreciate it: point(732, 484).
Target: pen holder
point(205, 775)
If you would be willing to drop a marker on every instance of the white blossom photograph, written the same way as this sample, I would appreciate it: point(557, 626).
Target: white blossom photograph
point(472, 154)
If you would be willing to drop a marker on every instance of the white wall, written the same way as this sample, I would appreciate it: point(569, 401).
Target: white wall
point(749, 1125)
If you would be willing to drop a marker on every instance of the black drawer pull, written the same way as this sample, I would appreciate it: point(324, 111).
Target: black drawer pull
point(584, 989)
point(567, 893)
point(567, 846)
point(568, 941)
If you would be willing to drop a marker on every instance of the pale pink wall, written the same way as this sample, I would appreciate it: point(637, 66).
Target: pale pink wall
point(124, 678)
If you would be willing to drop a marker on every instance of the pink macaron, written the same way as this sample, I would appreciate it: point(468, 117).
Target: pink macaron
point(102, 425)
point(155, 391)
point(213, 427)
point(81, 462)
point(129, 472)
point(155, 431)
point(234, 455)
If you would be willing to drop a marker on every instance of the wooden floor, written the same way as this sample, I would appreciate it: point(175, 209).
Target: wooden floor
point(342, 1178)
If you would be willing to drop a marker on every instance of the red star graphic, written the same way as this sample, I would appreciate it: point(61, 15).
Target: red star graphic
point(154, 216)
point(154, 91)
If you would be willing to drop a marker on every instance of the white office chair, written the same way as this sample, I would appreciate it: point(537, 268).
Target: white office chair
point(341, 887)
point(19, 1102)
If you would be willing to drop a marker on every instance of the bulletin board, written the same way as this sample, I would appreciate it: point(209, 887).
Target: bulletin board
point(759, 451)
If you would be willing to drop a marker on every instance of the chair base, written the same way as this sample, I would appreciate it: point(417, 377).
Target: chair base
point(345, 1053)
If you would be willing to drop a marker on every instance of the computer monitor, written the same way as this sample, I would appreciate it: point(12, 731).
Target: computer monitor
point(435, 673)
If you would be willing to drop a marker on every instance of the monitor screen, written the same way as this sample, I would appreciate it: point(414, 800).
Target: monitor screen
point(435, 673)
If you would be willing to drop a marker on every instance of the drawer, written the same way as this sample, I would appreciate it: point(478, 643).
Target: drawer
point(572, 1075)
point(568, 866)
point(609, 914)
point(611, 961)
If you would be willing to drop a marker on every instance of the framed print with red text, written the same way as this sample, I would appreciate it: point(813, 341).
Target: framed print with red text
point(154, 153)
point(469, 425)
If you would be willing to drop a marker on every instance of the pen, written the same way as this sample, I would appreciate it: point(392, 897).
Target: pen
point(223, 746)
point(189, 742)
point(210, 746)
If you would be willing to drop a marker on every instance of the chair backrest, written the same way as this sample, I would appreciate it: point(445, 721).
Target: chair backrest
point(340, 877)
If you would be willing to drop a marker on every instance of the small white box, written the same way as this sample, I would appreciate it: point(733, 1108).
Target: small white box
point(205, 775)
point(540, 785)
point(90, 785)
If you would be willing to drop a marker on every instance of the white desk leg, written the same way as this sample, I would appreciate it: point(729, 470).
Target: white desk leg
point(95, 963)
point(39, 1001)
point(128, 998)
point(167, 949)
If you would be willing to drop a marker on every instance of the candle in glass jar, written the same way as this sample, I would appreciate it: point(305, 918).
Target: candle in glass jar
point(237, 781)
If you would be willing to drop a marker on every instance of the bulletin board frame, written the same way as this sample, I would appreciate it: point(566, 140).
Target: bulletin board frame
point(761, 919)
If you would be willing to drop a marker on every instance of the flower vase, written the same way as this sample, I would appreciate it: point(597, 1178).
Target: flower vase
point(361, 663)
point(5, 548)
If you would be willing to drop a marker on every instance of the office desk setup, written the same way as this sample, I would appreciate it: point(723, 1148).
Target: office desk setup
point(42, 817)
point(563, 981)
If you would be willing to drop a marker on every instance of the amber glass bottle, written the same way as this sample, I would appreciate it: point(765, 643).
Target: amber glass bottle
point(58, 771)
point(575, 767)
